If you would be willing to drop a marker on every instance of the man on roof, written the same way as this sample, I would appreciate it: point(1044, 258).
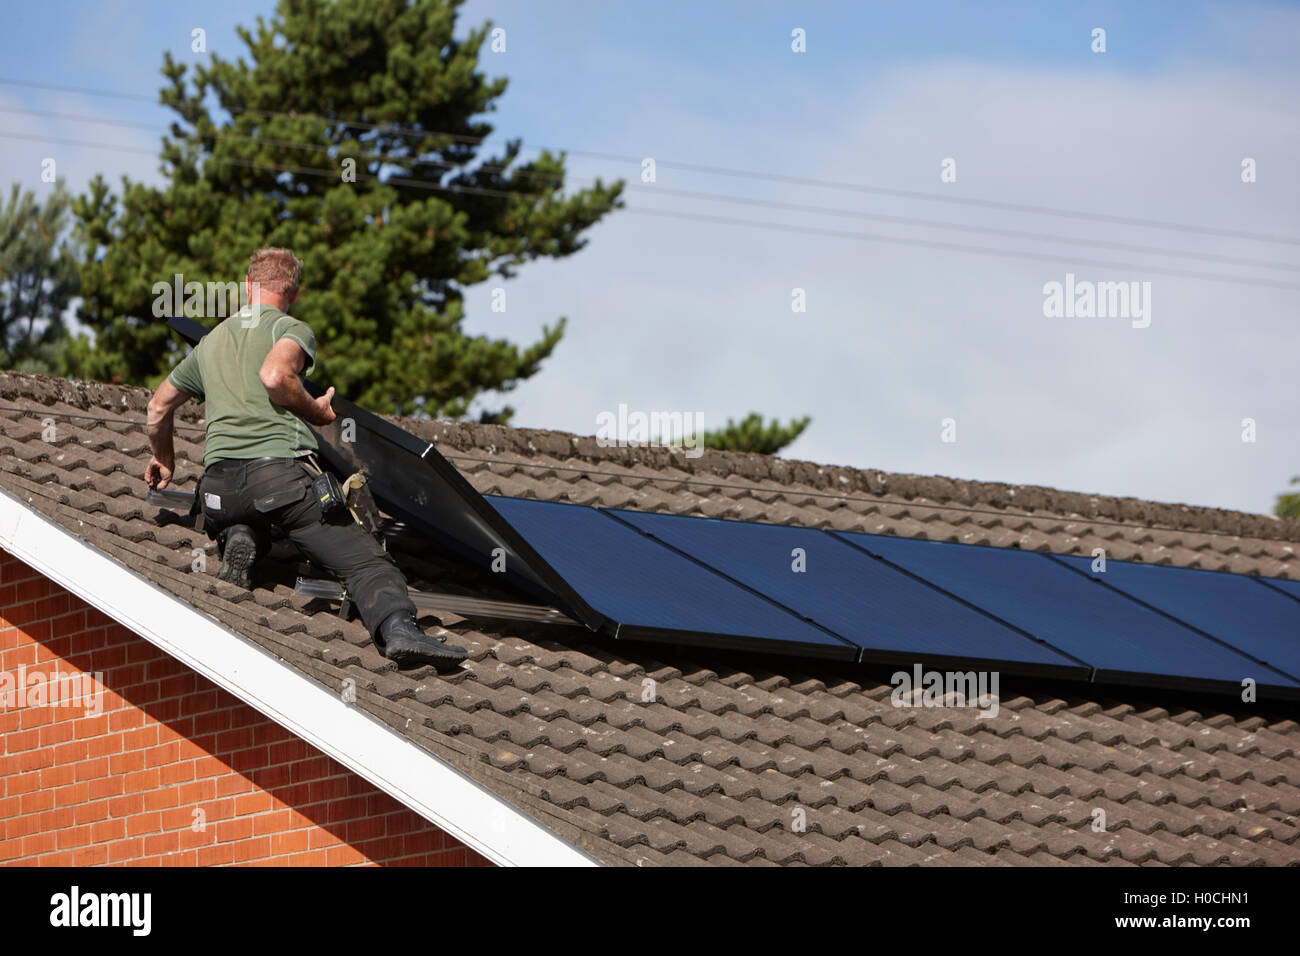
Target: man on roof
point(258, 464)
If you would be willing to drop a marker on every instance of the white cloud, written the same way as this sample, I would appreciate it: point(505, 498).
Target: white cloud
point(695, 316)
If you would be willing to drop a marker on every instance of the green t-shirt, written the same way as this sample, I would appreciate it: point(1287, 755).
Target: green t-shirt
point(223, 371)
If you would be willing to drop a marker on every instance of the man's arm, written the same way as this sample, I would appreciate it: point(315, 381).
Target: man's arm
point(279, 376)
point(160, 427)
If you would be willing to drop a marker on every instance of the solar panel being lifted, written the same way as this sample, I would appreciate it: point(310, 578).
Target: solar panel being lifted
point(893, 617)
point(414, 483)
point(1235, 609)
point(1125, 641)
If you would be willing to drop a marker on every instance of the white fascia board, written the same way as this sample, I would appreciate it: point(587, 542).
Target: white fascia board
point(418, 779)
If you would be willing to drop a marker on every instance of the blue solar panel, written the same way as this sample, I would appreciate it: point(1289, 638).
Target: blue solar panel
point(890, 615)
point(1123, 640)
point(1255, 620)
point(1286, 587)
point(651, 591)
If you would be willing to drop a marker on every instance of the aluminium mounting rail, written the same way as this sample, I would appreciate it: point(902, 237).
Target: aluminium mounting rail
point(458, 604)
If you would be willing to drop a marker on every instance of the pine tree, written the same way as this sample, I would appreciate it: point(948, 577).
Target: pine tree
point(1288, 503)
point(38, 279)
point(354, 138)
point(753, 436)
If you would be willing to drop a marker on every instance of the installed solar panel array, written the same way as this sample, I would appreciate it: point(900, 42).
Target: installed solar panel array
point(846, 596)
point(894, 600)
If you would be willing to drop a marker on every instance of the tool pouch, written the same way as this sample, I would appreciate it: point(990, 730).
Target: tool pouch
point(325, 487)
point(362, 503)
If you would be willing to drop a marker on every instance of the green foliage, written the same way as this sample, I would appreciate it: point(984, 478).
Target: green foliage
point(38, 279)
point(1288, 503)
point(386, 262)
point(753, 436)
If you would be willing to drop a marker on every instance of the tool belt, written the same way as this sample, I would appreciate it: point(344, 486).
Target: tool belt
point(332, 496)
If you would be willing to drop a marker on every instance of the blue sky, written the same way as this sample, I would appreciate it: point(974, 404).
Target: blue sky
point(679, 315)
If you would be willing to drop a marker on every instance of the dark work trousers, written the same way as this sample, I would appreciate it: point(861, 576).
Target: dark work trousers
point(275, 492)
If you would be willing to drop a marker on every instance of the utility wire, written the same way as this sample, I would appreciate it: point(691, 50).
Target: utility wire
point(549, 180)
point(1069, 260)
point(721, 220)
point(398, 129)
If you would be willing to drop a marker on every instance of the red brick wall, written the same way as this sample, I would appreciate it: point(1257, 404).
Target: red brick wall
point(122, 787)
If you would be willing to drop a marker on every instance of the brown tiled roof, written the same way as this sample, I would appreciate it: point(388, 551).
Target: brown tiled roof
point(715, 768)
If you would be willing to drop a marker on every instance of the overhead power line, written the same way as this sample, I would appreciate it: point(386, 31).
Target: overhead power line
point(1027, 208)
point(721, 220)
point(550, 180)
point(974, 250)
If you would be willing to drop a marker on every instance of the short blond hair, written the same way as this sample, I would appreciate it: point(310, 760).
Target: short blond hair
point(278, 271)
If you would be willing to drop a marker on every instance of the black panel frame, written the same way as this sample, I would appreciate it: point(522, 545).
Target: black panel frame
point(862, 655)
point(1110, 676)
point(1221, 642)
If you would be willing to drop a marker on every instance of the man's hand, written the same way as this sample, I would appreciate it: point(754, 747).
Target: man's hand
point(162, 409)
point(159, 473)
point(322, 411)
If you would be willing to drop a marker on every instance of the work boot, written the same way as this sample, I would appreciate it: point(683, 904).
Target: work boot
point(402, 641)
point(238, 554)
